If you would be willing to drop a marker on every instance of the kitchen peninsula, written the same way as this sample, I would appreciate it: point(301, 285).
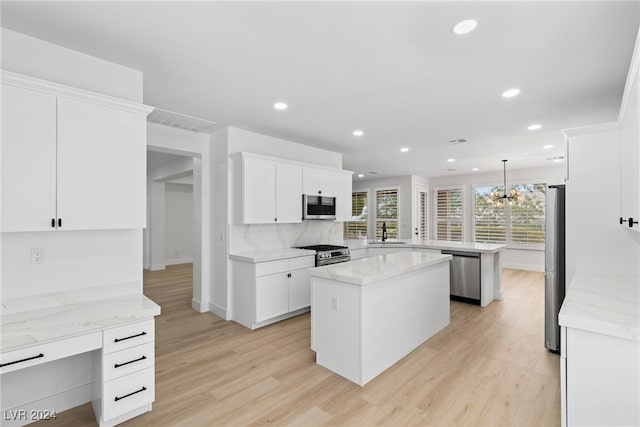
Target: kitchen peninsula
point(367, 314)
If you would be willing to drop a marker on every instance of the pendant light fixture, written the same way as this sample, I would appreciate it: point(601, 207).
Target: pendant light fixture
point(510, 197)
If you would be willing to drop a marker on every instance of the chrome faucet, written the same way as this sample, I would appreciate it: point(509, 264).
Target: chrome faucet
point(384, 231)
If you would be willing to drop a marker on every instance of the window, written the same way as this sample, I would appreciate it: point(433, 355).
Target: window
point(520, 222)
point(387, 212)
point(357, 227)
point(422, 215)
point(448, 214)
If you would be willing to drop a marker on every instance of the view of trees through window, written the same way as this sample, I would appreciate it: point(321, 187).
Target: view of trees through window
point(387, 212)
point(357, 228)
point(519, 222)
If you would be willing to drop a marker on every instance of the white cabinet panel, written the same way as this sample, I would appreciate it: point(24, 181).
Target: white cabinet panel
point(299, 290)
point(288, 193)
point(317, 181)
point(101, 178)
point(342, 188)
point(28, 154)
point(259, 191)
point(272, 296)
point(630, 162)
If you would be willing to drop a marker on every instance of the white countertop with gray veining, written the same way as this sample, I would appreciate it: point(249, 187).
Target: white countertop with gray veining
point(271, 255)
point(377, 268)
point(64, 316)
point(428, 244)
point(603, 304)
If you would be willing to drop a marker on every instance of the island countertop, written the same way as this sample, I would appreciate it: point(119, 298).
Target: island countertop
point(374, 269)
point(427, 244)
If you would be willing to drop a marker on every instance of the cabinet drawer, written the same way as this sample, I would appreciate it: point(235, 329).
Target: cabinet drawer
point(127, 336)
point(272, 267)
point(42, 353)
point(128, 393)
point(302, 262)
point(127, 361)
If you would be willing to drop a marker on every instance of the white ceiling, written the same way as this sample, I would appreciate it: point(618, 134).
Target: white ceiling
point(392, 69)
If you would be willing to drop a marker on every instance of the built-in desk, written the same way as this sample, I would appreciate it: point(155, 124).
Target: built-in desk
point(116, 372)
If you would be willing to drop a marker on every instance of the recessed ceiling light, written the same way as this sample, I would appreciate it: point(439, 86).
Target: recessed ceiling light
point(546, 147)
point(451, 160)
point(404, 149)
point(280, 106)
point(510, 93)
point(464, 27)
point(535, 126)
point(360, 175)
point(475, 169)
point(358, 132)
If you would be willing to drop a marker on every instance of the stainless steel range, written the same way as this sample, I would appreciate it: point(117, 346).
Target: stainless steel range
point(329, 254)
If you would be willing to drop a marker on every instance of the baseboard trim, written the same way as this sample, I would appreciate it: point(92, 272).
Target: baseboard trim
point(178, 261)
point(218, 311)
point(526, 267)
point(198, 306)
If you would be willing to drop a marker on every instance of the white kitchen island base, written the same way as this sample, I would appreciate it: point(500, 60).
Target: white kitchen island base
point(359, 330)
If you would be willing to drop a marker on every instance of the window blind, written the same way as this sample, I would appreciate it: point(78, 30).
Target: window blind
point(357, 228)
point(387, 212)
point(448, 213)
point(490, 224)
point(423, 228)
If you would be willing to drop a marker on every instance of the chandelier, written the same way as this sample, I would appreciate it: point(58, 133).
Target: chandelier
point(510, 197)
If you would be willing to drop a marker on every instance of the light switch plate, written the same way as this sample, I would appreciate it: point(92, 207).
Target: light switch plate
point(37, 255)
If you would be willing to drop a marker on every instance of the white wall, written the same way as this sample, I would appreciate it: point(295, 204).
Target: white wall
point(37, 58)
point(523, 259)
point(178, 223)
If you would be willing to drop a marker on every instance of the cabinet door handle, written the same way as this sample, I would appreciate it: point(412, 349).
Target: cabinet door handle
point(59, 222)
point(631, 222)
point(118, 365)
point(53, 223)
point(21, 360)
point(128, 338)
point(275, 219)
point(130, 394)
point(622, 220)
point(289, 275)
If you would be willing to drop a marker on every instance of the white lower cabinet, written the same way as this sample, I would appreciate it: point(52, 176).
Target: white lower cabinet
point(126, 369)
point(601, 383)
point(266, 292)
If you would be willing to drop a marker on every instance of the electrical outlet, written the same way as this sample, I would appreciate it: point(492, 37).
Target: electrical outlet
point(335, 303)
point(37, 255)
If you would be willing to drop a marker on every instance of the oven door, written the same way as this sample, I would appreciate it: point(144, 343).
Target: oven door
point(318, 207)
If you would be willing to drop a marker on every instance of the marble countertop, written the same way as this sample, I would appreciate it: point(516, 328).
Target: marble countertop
point(62, 320)
point(428, 244)
point(377, 268)
point(271, 255)
point(603, 304)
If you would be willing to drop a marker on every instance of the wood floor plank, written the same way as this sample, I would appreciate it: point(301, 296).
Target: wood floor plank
point(488, 367)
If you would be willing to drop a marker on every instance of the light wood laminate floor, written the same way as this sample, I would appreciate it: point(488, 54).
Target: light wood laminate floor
point(488, 367)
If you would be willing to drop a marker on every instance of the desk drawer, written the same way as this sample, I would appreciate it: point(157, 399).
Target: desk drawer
point(127, 336)
point(127, 361)
point(127, 393)
point(42, 353)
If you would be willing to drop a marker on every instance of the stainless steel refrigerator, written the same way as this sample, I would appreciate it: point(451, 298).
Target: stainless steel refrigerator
point(554, 264)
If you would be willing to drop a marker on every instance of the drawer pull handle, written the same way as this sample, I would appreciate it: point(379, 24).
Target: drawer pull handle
point(128, 338)
point(130, 394)
point(21, 360)
point(117, 365)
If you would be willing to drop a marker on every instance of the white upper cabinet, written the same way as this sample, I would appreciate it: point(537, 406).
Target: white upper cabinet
point(316, 181)
point(28, 154)
point(630, 160)
point(258, 191)
point(288, 192)
point(71, 160)
point(101, 173)
point(342, 185)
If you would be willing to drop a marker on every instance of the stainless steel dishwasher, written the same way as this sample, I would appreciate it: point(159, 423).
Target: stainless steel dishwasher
point(465, 276)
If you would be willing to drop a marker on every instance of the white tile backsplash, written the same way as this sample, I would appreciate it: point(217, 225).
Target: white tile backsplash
point(260, 237)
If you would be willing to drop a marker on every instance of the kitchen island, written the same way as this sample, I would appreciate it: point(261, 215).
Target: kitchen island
point(367, 314)
point(489, 255)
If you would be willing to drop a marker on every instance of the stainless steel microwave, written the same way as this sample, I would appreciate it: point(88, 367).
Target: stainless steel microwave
point(318, 207)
